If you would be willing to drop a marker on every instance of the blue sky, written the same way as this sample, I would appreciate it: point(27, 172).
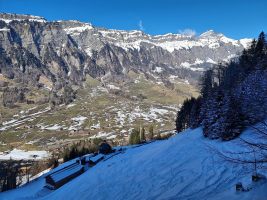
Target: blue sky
point(234, 18)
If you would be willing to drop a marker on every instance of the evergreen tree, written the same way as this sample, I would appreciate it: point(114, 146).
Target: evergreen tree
point(207, 83)
point(210, 117)
point(184, 117)
point(66, 155)
point(80, 148)
point(134, 137)
point(233, 119)
point(232, 96)
point(142, 135)
point(151, 132)
point(248, 60)
point(231, 76)
point(194, 117)
point(260, 46)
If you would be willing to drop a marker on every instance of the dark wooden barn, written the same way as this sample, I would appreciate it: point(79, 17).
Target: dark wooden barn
point(64, 175)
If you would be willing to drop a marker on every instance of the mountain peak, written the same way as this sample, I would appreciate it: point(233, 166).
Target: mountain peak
point(210, 33)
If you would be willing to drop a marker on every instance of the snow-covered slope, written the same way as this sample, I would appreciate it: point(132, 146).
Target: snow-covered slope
point(182, 167)
point(170, 42)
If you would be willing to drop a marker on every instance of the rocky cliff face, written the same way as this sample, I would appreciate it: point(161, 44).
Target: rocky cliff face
point(36, 51)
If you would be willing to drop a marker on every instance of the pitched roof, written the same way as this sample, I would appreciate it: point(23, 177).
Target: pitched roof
point(66, 172)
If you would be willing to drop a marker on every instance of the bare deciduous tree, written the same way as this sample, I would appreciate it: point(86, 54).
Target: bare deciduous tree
point(253, 151)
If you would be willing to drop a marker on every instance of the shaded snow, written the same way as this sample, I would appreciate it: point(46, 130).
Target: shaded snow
point(183, 167)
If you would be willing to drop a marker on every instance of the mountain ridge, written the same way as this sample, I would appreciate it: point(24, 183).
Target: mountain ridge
point(68, 50)
point(13, 16)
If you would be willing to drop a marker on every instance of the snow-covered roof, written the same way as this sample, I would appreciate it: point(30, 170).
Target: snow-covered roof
point(66, 172)
point(97, 157)
point(88, 156)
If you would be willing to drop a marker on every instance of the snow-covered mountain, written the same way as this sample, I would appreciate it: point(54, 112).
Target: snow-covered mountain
point(182, 167)
point(68, 50)
point(184, 50)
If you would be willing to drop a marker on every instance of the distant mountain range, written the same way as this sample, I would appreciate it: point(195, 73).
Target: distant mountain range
point(36, 51)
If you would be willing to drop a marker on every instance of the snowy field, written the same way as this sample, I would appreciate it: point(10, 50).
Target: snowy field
point(22, 118)
point(182, 167)
point(17, 154)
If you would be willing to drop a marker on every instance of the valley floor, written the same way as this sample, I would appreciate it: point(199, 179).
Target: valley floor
point(97, 112)
point(182, 167)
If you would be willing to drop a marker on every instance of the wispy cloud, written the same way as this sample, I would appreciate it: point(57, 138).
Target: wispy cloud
point(188, 31)
point(140, 25)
